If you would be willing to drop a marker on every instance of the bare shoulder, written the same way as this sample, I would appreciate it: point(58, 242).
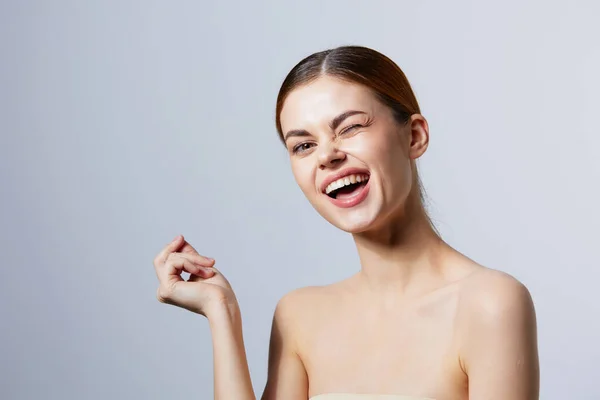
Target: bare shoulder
point(300, 306)
point(496, 315)
point(494, 296)
point(297, 300)
point(497, 336)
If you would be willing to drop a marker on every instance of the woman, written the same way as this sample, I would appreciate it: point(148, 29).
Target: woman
point(419, 320)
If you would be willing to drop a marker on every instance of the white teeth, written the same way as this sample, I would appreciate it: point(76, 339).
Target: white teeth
point(345, 181)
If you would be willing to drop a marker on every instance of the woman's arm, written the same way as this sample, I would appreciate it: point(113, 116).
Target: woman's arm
point(287, 376)
point(500, 354)
point(208, 293)
point(231, 374)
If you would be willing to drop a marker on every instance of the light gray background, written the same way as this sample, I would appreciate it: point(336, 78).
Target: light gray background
point(125, 123)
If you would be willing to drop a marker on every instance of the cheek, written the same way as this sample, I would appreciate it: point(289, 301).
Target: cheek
point(304, 178)
point(370, 149)
point(371, 145)
point(392, 163)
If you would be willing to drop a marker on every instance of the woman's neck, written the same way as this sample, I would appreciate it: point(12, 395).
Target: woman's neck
point(404, 257)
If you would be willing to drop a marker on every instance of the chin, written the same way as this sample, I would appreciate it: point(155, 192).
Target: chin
point(355, 221)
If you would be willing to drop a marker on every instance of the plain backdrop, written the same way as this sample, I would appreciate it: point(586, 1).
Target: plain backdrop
point(125, 123)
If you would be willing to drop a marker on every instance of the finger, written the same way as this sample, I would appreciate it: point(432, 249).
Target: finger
point(198, 259)
point(176, 264)
point(204, 273)
point(168, 249)
point(208, 273)
point(187, 248)
point(197, 272)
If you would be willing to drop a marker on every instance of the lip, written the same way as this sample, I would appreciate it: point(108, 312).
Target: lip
point(354, 200)
point(341, 174)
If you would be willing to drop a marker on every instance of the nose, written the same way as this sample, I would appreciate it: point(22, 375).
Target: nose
point(330, 155)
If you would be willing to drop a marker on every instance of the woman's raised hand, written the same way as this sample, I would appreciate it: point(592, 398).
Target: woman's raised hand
point(206, 288)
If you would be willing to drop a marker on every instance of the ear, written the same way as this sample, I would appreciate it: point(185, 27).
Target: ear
point(419, 135)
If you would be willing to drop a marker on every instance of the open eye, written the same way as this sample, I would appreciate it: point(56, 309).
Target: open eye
point(302, 147)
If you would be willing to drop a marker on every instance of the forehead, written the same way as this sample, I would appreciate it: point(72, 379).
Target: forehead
point(323, 99)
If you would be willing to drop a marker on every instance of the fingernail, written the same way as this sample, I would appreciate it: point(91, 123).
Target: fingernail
point(176, 237)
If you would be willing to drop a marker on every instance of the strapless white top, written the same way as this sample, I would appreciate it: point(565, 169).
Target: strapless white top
point(353, 396)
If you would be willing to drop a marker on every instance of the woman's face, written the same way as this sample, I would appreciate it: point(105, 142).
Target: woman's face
point(348, 154)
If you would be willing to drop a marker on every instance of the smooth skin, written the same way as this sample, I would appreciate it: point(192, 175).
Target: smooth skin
point(418, 319)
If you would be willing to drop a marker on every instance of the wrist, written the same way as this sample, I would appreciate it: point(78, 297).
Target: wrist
point(224, 309)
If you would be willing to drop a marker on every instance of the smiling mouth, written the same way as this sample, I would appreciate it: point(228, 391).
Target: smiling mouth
point(347, 187)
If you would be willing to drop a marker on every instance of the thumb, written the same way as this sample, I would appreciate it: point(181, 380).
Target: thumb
point(168, 249)
point(187, 248)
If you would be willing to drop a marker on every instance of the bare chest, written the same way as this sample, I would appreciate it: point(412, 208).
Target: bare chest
point(409, 350)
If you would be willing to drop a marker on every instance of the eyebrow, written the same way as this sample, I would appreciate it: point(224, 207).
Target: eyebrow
point(333, 124)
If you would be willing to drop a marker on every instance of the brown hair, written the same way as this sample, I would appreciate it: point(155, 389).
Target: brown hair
point(364, 66)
